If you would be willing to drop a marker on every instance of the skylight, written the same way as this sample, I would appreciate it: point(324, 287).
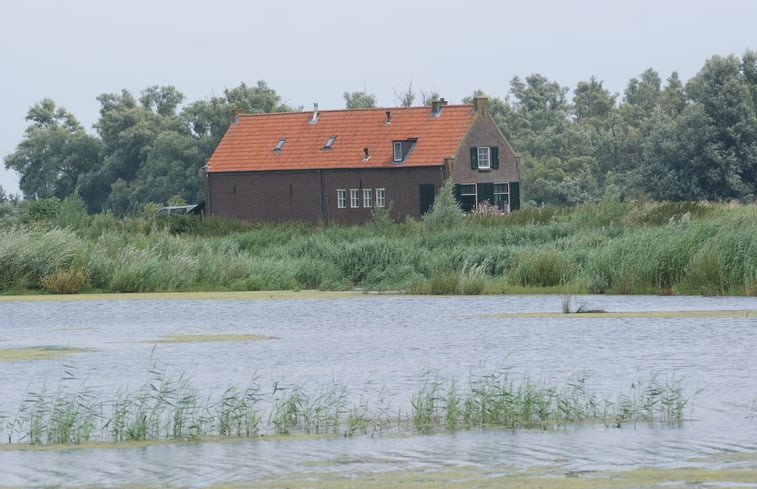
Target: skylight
point(280, 144)
point(330, 142)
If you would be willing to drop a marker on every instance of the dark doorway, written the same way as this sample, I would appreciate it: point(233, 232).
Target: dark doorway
point(427, 193)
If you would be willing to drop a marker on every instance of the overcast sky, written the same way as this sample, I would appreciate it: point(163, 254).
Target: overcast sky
point(72, 51)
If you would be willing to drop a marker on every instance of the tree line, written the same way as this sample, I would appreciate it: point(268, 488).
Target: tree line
point(668, 140)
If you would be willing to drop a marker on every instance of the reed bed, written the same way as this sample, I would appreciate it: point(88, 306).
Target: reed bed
point(612, 247)
point(168, 407)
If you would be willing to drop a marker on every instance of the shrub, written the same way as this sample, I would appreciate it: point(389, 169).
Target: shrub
point(542, 268)
point(66, 281)
point(445, 213)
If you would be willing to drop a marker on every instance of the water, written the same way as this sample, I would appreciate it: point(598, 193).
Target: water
point(385, 344)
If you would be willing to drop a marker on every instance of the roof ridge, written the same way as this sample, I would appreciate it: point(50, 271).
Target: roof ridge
point(364, 109)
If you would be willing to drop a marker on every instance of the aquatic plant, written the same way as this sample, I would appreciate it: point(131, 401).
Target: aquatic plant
point(169, 408)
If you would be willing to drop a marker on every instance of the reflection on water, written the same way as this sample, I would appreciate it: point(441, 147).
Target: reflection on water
point(388, 342)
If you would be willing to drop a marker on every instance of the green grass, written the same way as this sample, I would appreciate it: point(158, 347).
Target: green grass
point(167, 407)
point(611, 247)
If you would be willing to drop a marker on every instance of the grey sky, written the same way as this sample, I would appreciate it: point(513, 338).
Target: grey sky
point(72, 51)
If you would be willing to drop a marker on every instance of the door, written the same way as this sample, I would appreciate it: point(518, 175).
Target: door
point(426, 191)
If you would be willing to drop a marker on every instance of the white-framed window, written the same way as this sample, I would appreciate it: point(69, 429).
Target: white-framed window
point(502, 196)
point(367, 197)
point(398, 151)
point(468, 197)
point(354, 197)
point(341, 198)
point(380, 197)
point(484, 160)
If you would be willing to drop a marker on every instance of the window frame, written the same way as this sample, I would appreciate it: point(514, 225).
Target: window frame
point(397, 151)
point(329, 142)
point(487, 153)
point(354, 198)
point(341, 198)
point(502, 198)
point(367, 197)
point(472, 191)
point(380, 197)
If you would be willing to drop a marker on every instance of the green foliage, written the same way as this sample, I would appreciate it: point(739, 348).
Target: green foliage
point(608, 247)
point(359, 100)
point(445, 213)
point(542, 268)
point(168, 407)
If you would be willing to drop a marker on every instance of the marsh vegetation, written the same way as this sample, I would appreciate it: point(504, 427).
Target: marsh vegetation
point(611, 247)
point(168, 407)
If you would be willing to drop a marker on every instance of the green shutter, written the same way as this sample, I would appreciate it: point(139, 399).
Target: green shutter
point(458, 193)
point(474, 158)
point(495, 157)
point(485, 191)
point(514, 196)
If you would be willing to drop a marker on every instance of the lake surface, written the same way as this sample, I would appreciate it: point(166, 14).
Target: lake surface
point(385, 347)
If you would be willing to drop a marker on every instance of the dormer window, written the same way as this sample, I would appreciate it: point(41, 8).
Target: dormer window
point(401, 149)
point(329, 142)
point(280, 144)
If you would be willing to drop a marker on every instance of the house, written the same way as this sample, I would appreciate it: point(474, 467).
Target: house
point(336, 165)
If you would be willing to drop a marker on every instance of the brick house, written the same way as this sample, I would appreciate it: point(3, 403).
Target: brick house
point(336, 165)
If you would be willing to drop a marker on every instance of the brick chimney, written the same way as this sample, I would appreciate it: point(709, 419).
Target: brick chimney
point(481, 105)
point(436, 107)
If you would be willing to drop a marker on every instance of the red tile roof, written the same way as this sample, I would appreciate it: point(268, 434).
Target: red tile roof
point(248, 144)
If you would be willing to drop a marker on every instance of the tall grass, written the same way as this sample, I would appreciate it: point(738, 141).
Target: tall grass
point(167, 407)
point(610, 247)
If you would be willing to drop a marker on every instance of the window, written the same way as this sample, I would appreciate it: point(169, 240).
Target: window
point(280, 144)
point(329, 142)
point(367, 193)
point(354, 197)
point(341, 199)
point(483, 158)
point(468, 197)
point(502, 196)
point(398, 151)
point(380, 197)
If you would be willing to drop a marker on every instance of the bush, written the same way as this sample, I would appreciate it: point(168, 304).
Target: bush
point(542, 268)
point(66, 281)
point(445, 213)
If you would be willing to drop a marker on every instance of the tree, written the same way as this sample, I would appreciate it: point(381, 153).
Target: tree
point(591, 101)
point(557, 182)
point(406, 99)
point(54, 153)
point(255, 100)
point(161, 100)
point(359, 100)
point(709, 151)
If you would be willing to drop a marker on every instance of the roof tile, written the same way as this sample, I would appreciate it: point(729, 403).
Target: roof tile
point(248, 144)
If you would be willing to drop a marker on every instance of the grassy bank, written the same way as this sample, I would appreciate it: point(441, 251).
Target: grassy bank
point(613, 247)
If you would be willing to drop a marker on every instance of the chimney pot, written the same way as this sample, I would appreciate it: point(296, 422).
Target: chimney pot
point(315, 113)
